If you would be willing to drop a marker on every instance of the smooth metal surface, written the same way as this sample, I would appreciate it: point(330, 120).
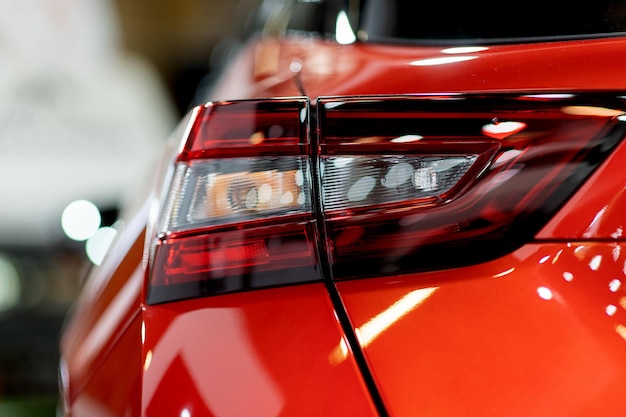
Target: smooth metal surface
point(542, 330)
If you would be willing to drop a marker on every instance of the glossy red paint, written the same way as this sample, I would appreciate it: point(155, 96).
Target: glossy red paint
point(272, 347)
point(330, 69)
point(542, 330)
point(102, 337)
point(271, 68)
point(262, 353)
point(103, 316)
point(262, 69)
point(113, 387)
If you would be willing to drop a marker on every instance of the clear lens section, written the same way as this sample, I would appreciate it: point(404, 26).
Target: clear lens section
point(357, 181)
point(221, 191)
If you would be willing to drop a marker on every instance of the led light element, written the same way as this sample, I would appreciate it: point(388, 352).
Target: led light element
point(220, 191)
point(349, 182)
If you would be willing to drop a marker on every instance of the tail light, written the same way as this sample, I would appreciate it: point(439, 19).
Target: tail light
point(479, 176)
point(388, 185)
point(238, 214)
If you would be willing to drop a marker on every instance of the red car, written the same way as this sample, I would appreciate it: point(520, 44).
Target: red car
point(383, 209)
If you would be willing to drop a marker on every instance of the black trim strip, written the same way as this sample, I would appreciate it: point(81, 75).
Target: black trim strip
point(355, 348)
point(339, 307)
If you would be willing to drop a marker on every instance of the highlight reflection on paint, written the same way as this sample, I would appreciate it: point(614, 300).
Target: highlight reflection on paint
point(464, 50)
point(611, 309)
point(620, 329)
point(441, 60)
point(544, 293)
point(615, 285)
point(595, 262)
point(368, 332)
point(504, 273)
point(148, 361)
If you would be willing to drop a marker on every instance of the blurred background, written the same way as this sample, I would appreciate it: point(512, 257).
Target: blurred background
point(89, 91)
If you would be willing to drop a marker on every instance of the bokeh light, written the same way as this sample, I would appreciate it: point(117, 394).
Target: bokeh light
point(80, 220)
point(98, 245)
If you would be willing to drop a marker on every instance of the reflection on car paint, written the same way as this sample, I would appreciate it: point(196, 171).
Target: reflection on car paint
point(544, 326)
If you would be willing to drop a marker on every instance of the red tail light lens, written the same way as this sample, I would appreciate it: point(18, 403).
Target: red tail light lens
point(238, 214)
point(391, 185)
point(436, 182)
